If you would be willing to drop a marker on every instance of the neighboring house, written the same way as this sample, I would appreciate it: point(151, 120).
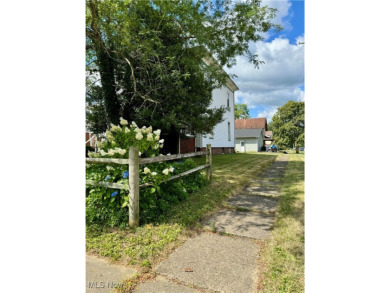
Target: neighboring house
point(268, 140)
point(222, 138)
point(249, 140)
point(250, 134)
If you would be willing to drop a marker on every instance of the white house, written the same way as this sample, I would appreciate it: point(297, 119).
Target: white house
point(222, 138)
point(250, 134)
point(249, 140)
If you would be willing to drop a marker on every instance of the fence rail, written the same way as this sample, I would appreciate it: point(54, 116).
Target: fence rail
point(107, 161)
point(180, 175)
point(134, 161)
point(107, 184)
point(170, 157)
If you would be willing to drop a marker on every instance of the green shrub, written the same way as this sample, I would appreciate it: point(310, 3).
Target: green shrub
point(154, 207)
point(109, 207)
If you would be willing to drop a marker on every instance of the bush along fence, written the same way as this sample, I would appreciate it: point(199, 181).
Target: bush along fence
point(133, 174)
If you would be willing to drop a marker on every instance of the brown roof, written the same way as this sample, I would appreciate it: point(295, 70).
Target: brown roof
point(269, 132)
point(251, 123)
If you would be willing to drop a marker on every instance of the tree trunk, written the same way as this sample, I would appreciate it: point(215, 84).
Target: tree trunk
point(107, 76)
point(297, 149)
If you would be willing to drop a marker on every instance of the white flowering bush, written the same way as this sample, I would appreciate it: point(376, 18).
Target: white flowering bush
point(119, 138)
point(109, 206)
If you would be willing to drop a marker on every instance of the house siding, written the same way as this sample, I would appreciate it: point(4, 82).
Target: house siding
point(220, 138)
point(251, 144)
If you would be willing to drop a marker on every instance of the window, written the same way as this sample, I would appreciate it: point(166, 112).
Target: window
point(227, 103)
point(229, 138)
point(211, 135)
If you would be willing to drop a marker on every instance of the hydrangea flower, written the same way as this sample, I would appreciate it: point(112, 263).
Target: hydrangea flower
point(154, 173)
point(133, 124)
point(123, 121)
point(109, 168)
point(101, 144)
point(171, 169)
point(157, 132)
point(157, 138)
point(127, 130)
point(165, 172)
point(109, 135)
point(139, 136)
point(126, 175)
point(115, 127)
point(120, 151)
point(107, 177)
point(161, 141)
point(150, 137)
point(115, 193)
point(92, 154)
point(146, 170)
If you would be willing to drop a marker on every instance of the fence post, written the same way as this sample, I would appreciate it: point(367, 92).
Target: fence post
point(209, 162)
point(133, 186)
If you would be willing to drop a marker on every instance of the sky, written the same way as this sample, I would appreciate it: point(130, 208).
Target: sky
point(281, 78)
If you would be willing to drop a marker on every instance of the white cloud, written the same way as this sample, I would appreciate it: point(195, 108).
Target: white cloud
point(282, 17)
point(275, 82)
point(268, 113)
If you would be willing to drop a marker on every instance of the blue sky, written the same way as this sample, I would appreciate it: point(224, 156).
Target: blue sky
point(281, 78)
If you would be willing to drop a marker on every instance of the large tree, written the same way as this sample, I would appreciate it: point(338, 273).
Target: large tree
point(288, 125)
point(146, 59)
point(241, 111)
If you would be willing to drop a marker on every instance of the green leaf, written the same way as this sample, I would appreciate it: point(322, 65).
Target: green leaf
point(152, 190)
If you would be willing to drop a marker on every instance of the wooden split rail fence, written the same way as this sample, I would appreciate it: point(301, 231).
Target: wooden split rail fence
point(134, 161)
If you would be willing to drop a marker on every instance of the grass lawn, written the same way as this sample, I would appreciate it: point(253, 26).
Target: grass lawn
point(283, 254)
point(145, 246)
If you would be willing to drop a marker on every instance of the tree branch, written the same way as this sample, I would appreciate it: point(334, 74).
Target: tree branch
point(135, 83)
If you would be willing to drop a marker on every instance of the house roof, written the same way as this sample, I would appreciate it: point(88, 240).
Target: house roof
point(268, 133)
point(229, 82)
point(255, 132)
point(251, 123)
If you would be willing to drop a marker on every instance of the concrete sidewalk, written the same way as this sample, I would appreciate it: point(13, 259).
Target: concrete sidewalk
point(102, 276)
point(227, 263)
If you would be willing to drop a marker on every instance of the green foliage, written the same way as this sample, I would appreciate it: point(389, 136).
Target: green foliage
point(241, 111)
point(288, 125)
point(145, 59)
point(109, 207)
point(139, 246)
point(156, 202)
